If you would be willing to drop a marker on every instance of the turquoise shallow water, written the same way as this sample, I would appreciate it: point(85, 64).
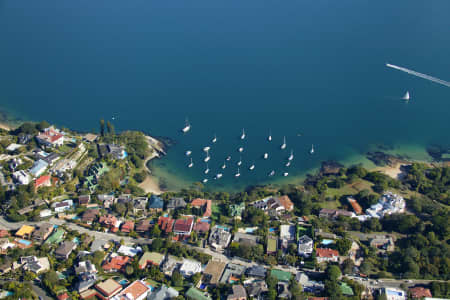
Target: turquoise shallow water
point(315, 68)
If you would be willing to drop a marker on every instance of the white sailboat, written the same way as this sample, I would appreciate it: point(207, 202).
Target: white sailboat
point(288, 164)
point(205, 180)
point(283, 146)
point(219, 175)
point(228, 158)
point(207, 158)
point(207, 169)
point(312, 149)
point(191, 164)
point(285, 174)
point(188, 153)
point(241, 149)
point(407, 96)
point(207, 148)
point(238, 173)
point(270, 136)
point(214, 138)
point(186, 127)
point(243, 134)
point(266, 155)
point(224, 166)
point(240, 161)
point(252, 167)
point(272, 173)
point(291, 157)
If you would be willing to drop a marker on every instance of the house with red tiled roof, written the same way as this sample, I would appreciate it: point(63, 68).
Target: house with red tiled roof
point(419, 292)
point(50, 137)
point(138, 290)
point(355, 205)
point(203, 204)
point(201, 227)
point(127, 227)
point(4, 233)
point(116, 264)
point(44, 180)
point(326, 255)
point(110, 222)
point(183, 226)
point(166, 224)
point(63, 296)
point(286, 202)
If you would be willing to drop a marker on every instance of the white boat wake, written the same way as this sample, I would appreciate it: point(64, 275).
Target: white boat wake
point(421, 75)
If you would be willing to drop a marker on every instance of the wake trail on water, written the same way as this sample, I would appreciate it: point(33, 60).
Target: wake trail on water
point(421, 75)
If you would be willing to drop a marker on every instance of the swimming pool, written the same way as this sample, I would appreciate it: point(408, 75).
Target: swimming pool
point(327, 242)
point(25, 242)
point(250, 230)
point(123, 282)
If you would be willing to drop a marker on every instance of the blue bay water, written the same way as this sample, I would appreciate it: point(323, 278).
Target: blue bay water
point(311, 67)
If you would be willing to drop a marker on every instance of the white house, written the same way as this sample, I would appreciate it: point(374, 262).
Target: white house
point(305, 246)
point(394, 294)
point(51, 137)
point(62, 206)
point(190, 267)
point(45, 213)
point(21, 177)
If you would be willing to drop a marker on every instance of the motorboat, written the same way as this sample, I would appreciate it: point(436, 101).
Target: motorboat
point(188, 153)
point(266, 155)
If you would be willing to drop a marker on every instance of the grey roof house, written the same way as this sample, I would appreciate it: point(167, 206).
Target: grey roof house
point(65, 249)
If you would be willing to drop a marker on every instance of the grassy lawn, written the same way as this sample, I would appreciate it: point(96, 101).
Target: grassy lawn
point(217, 210)
point(350, 189)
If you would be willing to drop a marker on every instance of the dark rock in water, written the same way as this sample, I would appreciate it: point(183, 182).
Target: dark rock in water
point(439, 153)
point(381, 159)
point(330, 167)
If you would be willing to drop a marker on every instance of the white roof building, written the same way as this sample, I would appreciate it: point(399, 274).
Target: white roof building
point(129, 251)
point(190, 267)
point(21, 177)
point(394, 294)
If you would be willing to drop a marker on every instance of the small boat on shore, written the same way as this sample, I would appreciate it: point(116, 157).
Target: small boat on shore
point(312, 149)
point(191, 164)
point(266, 155)
point(272, 173)
point(186, 127)
point(283, 146)
point(252, 167)
point(238, 173)
point(243, 134)
point(188, 153)
point(214, 138)
point(291, 157)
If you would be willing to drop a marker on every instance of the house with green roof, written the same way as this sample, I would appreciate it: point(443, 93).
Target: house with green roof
point(153, 258)
point(281, 275)
point(346, 289)
point(237, 209)
point(195, 294)
point(56, 237)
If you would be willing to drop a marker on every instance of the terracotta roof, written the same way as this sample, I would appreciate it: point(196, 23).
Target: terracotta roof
point(165, 224)
point(108, 220)
point(4, 233)
point(203, 203)
point(128, 226)
point(143, 226)
point(43, 180)
point(116, 263)
point(183, 225)
point(136, 290)
point(201, 226)
point(63, 296)
point(355, 205)
point(325, 252)
point(420, 292)
point(286, 202)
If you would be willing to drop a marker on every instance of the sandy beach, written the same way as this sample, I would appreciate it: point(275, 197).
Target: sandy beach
point(151, 185)
point(5, 126)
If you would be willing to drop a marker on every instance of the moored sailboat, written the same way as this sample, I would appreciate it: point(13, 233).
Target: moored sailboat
point(283, 146)
point(186, 127)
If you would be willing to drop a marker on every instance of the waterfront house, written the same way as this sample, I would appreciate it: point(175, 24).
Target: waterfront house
point(155, 204)
point(204, 205)
point(50, 137)
point(176, 203)
point(237, 209)
point(274, 205)
point(334, 213)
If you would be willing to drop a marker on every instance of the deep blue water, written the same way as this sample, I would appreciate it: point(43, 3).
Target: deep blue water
point(310, 67)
